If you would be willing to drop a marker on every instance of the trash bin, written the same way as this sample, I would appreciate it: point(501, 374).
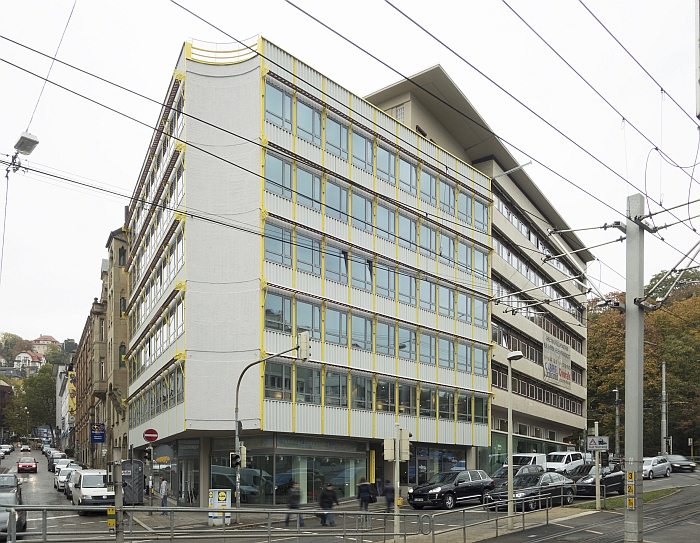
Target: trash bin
point(219, 498)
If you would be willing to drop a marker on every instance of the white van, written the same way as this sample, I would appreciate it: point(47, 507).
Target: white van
point(564, 461)
point(529, 459)
point(90, 488)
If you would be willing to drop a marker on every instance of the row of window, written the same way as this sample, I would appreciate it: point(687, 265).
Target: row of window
point(503, 293)
point(510, 339)
point(338, 325)
point(511, 256)
point(166, 269)
point(535, 391)
point(414, 179)
point(158, 398)
point(534, 238)
point(161, 335)
point(359, 391)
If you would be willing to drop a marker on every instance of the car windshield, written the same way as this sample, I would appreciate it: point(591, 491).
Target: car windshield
point(648, 461)
point(584, 470)
point(521, 460)
point(94, 481)
point(500, 474)
point(8, 480)
point(676, 458)
point(7, 500)
point(558, 458)
point(26, 460)
point(527, 480)
point(65, 471)
point(443, 477)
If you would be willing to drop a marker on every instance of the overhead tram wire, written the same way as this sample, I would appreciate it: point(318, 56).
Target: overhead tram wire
point(520, 102)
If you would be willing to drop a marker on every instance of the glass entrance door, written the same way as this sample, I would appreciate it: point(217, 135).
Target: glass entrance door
point(189, 482)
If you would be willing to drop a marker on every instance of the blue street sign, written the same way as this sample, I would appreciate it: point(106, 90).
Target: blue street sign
point(97, 432)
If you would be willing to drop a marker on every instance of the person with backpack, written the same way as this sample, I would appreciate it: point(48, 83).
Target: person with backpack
point(325, 501)
point(294, 502)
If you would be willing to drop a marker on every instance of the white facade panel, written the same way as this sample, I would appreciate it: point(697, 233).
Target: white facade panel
point(336, 421)
point(408, 199)
point(336, 228)
point(309, 283)
point(407, 312)
point(481, 435)
point(361, 359)
point(277, 416)
point(481, 334)
point(336, 291)
point(446, 324)
point(464, 329)
point(481, 382)
point(276, 342)
point(464, 433)
point(278, 135)
point(361, 298)
point(309, 218)
point(426, 318)
point(427, 263)
point(407, 368)
point(385, 247)
point(308, 150)
point(464, 379)
point(277, 274)
point(387, 189)
point(337, 354)
point(278, 205)
point(308, 418)
point(335, 163)
point(426, 429)
point(482, 237)
point(446, 431)
point(386, 306)
point(361, 423)
point(362, 238)
point(426, 372)
point(384, 426)
point(306, 73)
point(446, 375)
point(446, 270)
point(409, 423)
point(407, 255)
point(386, 364)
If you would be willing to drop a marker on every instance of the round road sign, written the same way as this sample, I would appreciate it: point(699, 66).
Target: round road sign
point(150, 435)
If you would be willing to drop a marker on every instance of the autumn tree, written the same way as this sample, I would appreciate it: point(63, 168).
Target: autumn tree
point(34, 402)
point(12, 344)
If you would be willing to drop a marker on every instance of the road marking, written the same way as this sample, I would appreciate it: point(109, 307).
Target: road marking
point(563, 525)
point(594, 532)
point(49, 518)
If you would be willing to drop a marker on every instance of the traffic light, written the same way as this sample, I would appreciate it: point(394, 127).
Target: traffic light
point(147, 456)
point(604, 459)
point(235, 460)
point(242, 450)
point(304, 352)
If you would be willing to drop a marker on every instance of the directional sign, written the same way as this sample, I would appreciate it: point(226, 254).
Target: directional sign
point(150, 435)
point(598, 443)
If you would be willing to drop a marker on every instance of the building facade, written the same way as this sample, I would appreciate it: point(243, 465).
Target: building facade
point(5, 395)
point(40, 344)
point(29, 362)
point(367, 226)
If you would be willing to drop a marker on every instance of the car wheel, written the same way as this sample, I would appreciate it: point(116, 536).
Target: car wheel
point(651, 474)
point(569, 497)
point(668, 472)
point(417, 506)
point(530, 505)
point(449, 501)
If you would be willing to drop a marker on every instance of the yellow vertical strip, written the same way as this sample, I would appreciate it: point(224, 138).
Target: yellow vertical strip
point(372, 466)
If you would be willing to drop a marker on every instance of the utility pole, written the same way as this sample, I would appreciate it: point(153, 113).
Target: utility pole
point(634, 368)
point(397, 459)
point(597, 473)
point(118, 493)
point(617, 423)
point(664, 421)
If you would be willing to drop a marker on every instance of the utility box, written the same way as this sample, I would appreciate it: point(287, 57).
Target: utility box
point(132, 477)
point(219, 498)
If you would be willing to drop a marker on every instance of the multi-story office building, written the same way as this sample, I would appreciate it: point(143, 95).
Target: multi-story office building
point(273, 201)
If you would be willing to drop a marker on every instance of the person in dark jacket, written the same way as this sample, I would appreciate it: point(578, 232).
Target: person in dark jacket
point(325, 501)
point(364, 494)
point(293, 502)
point(389, 495)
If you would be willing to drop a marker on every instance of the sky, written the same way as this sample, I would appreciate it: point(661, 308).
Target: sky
point(55, 232)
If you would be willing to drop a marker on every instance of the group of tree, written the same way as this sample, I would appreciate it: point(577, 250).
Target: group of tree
point(33, 403)
point(671, 334)
point(12, 344)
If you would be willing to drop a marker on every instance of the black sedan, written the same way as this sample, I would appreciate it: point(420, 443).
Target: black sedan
point(533, 490)
point(680, 463)
point(612, 479)
point(448, 488)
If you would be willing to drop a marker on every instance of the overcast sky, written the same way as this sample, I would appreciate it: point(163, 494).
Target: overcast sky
point(56, 233)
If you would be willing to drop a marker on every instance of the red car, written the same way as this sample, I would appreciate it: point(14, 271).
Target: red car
point(26, 463)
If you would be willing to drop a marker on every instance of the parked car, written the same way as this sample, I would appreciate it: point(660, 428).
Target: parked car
point(55, 455)
point(25, 448)
point(7, 449)
point(2, 454)
point(459, 466)
point(10, 483)
point(680, 463)
point(59, 479)
point(564, 461)
point(448, 488)
point(612, 479)
point(27, 463)
point(656, 466)
point(68, 486)
point(500, 477)
point(90, 488)
point(534, 489)
point(60, 463)
point(527, 459)
point(7, 501)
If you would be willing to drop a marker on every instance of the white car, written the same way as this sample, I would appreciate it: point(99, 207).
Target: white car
point(90, 488)
point(656, 466)
point(25, 448)
point(564, 461)
point(59, 479)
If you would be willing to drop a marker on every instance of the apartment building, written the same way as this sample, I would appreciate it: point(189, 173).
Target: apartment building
point(368, 226)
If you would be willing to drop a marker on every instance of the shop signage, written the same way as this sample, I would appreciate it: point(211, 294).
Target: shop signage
point(317, 443)
point(97, 432)
point(556, 359)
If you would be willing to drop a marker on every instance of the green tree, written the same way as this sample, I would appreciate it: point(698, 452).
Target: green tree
point(55, 355)
point(37, 397)
point(12, 344)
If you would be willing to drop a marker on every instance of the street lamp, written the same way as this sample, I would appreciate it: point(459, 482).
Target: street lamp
point(513, 355)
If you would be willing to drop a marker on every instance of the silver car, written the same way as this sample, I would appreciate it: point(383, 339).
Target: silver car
point(656, 466)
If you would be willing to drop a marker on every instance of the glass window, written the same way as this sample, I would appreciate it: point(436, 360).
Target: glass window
point(447, 197)
point(407, 232)
point(481, 410)
point(427, 241)
point(361, 332)
point(361, 273)
point(278, 107)
point(336, 202)
point(447, 301)
point(308, 255)
point(464, 256)
point(386, 165)
point(386, 223)
point(336, 264)
point(446, 353)
point(464, 207)
point(427, 402)
point(464, 407)
point(278, 176)
point(407, 288)
point(361, 393)
point(386, 339)
point(428, 187)
point(361, 151)
point(308, 123)
point(481, 313)
point(464, 357)
point(481, 216)
point(361, 212)
point(481, 264)
point(427, 349)
point(308, 189)
point(407, 343)
point(309, 319)
point(278, 244)
point(336, 138)
point(308, 385)
point(386, 281)
point(427, 295)
point(336, 389)
point(447, 249)
point(408, 177)
point(336, 324)
point(464, 307)
point(278, 313)
point(278, 381)
point(386, 394)
point(481, 361)
point(407, 399)
point(446, 403)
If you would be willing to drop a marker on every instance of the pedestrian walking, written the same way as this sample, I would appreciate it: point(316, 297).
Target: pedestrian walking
point(294, 502)
point(364, 494)
point(325, 501)
point(164, 494)
point(389, 495)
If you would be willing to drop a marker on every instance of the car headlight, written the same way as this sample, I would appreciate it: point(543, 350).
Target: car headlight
point(410, 490)
point(435, 490)
point(676, 465)
point(692, 464)
point(519, 495)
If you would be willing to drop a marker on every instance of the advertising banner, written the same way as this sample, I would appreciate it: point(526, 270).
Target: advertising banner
point(556, 358)
point(72, 381)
